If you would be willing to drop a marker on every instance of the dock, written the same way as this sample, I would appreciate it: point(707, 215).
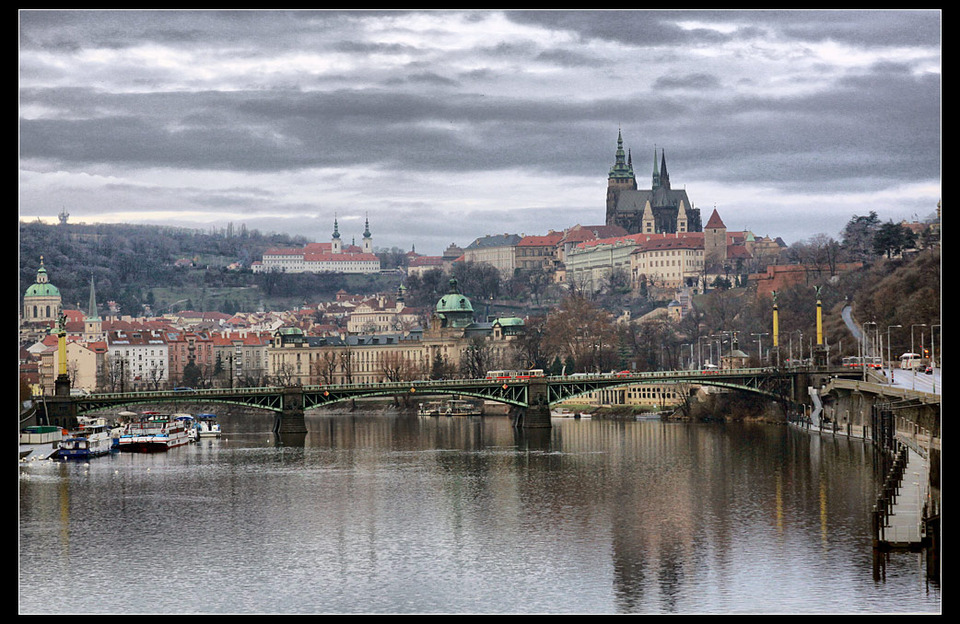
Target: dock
point(904, 523)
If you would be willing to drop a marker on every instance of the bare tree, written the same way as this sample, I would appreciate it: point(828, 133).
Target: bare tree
point(325, 367)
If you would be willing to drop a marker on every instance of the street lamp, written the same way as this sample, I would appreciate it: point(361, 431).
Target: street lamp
point(866, 348)
point(760, 345)
point(933, 371)
point(911, 334)
point(890, 361)
point(914, 369)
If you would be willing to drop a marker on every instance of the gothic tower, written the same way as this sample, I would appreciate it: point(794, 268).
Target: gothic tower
point(621, 178)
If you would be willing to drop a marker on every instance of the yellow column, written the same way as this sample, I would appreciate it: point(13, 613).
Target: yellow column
point(819, 320)
point(776, 322)
point(62, 347)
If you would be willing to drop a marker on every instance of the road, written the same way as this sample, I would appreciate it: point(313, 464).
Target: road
point(914, 380)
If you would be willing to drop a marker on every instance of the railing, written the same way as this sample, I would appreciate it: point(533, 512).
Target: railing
point(449, 385)
point(889, 491)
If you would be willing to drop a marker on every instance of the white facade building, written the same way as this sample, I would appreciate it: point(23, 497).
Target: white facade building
point(332, 257)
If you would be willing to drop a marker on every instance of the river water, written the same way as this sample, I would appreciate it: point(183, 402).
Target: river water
point(391, 513)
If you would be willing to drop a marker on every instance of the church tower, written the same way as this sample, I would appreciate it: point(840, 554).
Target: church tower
point(92, 325)
point(42, 301)
point(336, 245)
point(661, 179)
point(367, 239)
point(648, 224)
point(682, 222)
point(621, 178)
point(714, 243)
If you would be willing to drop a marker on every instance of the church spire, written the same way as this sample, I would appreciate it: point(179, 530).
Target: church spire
point(336, 246)
point(664, 176)
point(92, 309)
point(656, 170)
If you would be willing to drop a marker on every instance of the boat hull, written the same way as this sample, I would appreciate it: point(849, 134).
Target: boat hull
point(154, 444)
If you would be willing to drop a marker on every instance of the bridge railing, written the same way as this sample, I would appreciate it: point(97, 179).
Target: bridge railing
point(453, 383)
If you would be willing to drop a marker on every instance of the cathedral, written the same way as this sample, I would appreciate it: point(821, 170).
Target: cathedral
point(659, 210)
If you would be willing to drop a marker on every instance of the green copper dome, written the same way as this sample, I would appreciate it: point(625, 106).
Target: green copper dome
point(454, 301)
point(454, 309)
point(42, 287)
point(42, 290)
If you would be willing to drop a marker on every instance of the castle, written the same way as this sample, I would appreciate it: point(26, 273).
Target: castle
point(659, 210)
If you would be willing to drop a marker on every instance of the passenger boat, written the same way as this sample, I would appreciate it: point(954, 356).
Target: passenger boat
point(153, 433)
point(40, 442)
point(190, 423)
point(452, 407)
point(207, 426)
point(91, 440)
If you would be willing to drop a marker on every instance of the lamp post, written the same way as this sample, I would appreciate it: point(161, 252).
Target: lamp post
point(760, 345)
point(866, 348)
point(914, 370)
point(889, 361)
point(933, 371)
point(700, 349)
point(911, 334)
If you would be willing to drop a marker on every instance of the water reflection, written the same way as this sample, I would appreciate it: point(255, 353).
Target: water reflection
point(390, 513)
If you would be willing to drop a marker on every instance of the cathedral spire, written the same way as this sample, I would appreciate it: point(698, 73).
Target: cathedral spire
point(622, 170)
point(656, 170)
point(92, 309)
point(664, 176)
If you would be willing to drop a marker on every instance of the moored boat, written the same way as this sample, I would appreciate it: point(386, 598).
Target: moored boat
point(153, 433)
point(452, 407)
point(207, 426)
point(191, 425)
point(40, 442)
point(91, 440)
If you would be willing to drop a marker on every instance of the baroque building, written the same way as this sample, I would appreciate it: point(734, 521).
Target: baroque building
point(659, 210)
point(453, 345)
point(42, 302)
point(332, 257)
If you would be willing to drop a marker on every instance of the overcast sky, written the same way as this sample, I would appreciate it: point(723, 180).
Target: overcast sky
point(445, 126)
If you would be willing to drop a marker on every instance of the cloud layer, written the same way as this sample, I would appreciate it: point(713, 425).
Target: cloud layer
point(443, 126)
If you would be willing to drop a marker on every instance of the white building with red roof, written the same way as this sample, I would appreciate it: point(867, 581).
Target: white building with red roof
point(332, 257)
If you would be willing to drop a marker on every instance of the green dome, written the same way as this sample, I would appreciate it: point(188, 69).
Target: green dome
point(454, 301)
point(42, 290)
point(42, 287)
point(453, 309)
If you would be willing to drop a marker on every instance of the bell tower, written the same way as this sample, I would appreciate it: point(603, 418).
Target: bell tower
point(367, 238)
point(621, 177)
point(336, 245)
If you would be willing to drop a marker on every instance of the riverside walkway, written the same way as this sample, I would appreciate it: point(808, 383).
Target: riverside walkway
point(904, 528)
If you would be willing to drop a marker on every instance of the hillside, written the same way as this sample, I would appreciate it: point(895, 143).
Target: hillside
point(138, 264)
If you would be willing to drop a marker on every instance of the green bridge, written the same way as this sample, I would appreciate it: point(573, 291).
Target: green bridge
point(531, 397)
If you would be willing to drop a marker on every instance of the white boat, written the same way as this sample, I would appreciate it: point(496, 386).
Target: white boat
point(92, 439)
point(191, 425)
point(207, 426)
point(153, 433)
point(40, 442)
point(452, 407)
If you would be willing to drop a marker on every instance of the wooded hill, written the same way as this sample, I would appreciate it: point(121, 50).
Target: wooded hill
point(161, 266)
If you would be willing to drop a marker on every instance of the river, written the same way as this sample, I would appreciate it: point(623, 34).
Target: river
point(388, 513)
